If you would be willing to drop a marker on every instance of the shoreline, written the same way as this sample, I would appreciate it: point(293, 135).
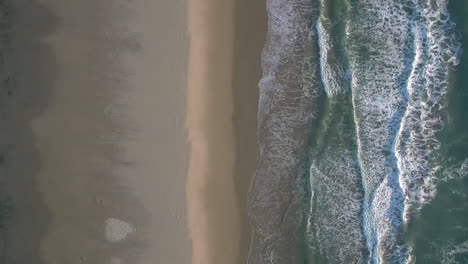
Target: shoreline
point(250, 25)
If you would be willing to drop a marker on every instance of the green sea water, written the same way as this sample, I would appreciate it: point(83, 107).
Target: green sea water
point(376, 91)
point(440, 232)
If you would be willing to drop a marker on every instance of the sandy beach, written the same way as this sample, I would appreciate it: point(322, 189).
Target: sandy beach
point(226, 38)
point(129, 130)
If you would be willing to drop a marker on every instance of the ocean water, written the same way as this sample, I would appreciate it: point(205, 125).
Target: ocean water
point(363, 133)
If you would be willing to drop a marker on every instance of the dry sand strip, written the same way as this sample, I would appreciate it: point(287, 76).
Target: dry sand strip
point(226, 38)
point(211, 198)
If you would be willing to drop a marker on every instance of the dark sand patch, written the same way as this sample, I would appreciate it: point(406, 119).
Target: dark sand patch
point(29, 61)
point(250, 25)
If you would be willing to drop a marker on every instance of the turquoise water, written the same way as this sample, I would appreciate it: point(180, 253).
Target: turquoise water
point(362, 133)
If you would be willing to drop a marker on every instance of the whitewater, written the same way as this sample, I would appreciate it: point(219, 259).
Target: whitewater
point(353, 96)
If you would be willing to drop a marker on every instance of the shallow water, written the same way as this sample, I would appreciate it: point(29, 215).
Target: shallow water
point(361, 134)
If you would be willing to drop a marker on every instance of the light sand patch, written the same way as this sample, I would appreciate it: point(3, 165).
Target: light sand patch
point(116, 260)
point(211, 199)
point(117, 230)
point(226, 37)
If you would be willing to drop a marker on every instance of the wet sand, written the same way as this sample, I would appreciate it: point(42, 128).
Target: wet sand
point(95, 131)
point(226, 38)
point(96, 146)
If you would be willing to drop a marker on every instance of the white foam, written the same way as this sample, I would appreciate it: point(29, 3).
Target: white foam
point(334, 229)
point(287, 88)
point(377, 101)
point(448, 250)
point(398, 93)
point(117, 230)
point(397, 117)
point(333, 75)
point(422, 120)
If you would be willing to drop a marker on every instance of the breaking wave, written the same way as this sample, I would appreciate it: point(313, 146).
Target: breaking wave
point(352, 98)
